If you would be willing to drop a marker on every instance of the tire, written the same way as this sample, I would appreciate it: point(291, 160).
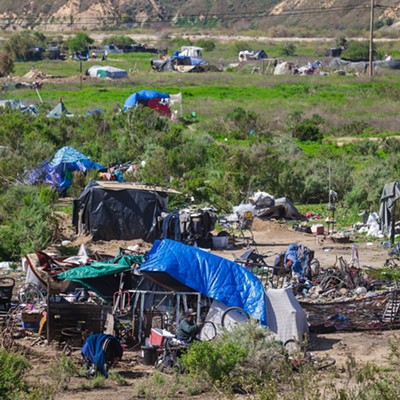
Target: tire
point(232, 311)
point(210, 331)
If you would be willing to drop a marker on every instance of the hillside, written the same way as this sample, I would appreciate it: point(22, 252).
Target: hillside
point(274, 16)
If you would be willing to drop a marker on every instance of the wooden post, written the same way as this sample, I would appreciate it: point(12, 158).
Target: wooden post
point(371, 39)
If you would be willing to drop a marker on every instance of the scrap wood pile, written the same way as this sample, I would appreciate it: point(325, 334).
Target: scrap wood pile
point(347, 297)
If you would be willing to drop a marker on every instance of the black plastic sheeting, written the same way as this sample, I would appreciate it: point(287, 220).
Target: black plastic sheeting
point(123, 214)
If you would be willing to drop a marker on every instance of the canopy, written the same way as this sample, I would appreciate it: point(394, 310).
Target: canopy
point(209, 274)
point(143, 96)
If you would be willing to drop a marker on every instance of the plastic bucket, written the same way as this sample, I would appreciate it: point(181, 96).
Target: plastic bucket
point(149, 355)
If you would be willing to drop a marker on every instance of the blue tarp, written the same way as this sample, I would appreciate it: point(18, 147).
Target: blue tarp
point(209, 274)
point(143, 95)
point(57, 172)
point(186, 59)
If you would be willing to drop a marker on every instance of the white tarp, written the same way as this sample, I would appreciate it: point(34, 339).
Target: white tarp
point(106, 71)
point(214, 315)
point(285, 317)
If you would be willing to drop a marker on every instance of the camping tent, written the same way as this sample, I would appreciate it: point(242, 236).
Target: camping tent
point(59, 110)
point(110, 210)
point(99, 71)
point(149, 98)
point(173, 265)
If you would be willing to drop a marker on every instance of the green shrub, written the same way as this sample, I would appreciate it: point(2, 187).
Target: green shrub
point(12, 369)
point(246, 359)
point(288, 49)
point(358, 50)
point(206, 44)
point(26, 216)
point(308, 129)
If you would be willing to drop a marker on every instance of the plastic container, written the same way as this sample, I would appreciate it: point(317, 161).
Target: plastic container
point(158, 335)
point(149, 355)
point(220, 242)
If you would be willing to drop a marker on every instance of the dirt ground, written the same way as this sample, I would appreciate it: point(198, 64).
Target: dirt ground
point(270, 238)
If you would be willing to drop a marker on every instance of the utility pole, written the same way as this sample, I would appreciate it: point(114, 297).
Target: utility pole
point(371, 39)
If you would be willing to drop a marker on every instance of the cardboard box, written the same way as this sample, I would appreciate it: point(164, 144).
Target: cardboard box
point(31, 316)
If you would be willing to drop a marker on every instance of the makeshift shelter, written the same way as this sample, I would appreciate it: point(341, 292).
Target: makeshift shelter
point(285, 316)
point(252, 55)
point(103, 277)
point(282, 208)
point(58, 172)
point(59, 110)
point(177, 266)
point(389, 197)
point(180, 63)
point(149, 98)
point(110, 210)
point(99, 71)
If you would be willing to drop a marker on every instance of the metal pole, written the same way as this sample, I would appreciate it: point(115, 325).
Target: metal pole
point(371, 38)
point(80, 70)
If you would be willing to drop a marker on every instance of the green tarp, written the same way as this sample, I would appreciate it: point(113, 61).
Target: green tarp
point(100, 275)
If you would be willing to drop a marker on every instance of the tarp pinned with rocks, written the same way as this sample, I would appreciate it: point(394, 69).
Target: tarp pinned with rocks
point(209, 274)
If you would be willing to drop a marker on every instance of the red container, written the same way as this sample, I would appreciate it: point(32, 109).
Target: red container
point(157, 336)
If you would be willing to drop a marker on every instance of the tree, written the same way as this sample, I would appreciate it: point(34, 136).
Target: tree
point(6, 63)
point(358, 50)
point(118, 40)
point(21, 45)
point(80, 42)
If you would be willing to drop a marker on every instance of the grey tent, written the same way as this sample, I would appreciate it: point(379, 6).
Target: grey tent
point(110, 210)
point(59, 110)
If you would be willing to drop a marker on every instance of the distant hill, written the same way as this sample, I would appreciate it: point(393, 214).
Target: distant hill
point(268, 15)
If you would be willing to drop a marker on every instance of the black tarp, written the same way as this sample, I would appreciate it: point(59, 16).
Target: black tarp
point(118, 212)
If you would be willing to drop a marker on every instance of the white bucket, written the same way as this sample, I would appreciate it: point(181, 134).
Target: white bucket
point(220, 242)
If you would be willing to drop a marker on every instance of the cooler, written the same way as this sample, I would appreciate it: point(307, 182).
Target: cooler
point(157, 336)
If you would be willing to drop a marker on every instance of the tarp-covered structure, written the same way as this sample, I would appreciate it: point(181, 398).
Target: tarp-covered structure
point(285, 316)
point(173, 264)
point(364, 64)
point(58, 171)
point(282, 208)
point(180, 63)
point(106, 71)
point(110, 210)
point(389, 197)
point(246, 55)
point(103, 277)
point(156, 100)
